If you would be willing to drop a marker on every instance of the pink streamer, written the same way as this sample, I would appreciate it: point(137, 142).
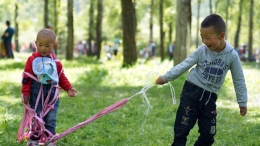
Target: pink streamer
point(105, 111)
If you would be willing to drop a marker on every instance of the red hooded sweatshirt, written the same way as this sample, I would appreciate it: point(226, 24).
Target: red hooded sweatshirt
point(27, 81)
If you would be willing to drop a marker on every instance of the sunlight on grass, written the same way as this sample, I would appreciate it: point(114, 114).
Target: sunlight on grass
point(8, 107)
point(102, 83)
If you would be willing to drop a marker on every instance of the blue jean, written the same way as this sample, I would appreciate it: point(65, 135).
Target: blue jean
point(195, 104)
point(50, 118)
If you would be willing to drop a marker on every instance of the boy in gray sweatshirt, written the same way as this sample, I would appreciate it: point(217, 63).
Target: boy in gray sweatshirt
point(198, 98)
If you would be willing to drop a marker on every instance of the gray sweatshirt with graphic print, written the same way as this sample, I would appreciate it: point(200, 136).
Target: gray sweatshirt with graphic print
point(211, 69)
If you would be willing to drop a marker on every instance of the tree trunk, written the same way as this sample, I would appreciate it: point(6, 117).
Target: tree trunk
point(46, 13)
point(134, 15)
point(151, 21)
point(56, 21)
point(236, 42)
point(183, 30)
point(228, 2)
point(198, 24)
point(99, 27)
point(90, 29)
point(210, 6)
point(216, 6)
point(16, 28)
point(162, 53)
point(170, 33)
point(250, 39)
point(70, 38)
point(129, 43)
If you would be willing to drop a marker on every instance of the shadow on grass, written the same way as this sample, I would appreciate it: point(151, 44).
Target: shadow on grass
point(10, 89)
point(8, 133)
point(91, 78)
point(125, 126)
point(81, 62)
point(251, 65)
point(14, 65)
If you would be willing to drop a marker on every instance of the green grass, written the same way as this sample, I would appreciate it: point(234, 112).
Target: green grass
point(103, 83)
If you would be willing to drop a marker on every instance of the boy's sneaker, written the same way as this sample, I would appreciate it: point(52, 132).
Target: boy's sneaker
point(32, 143)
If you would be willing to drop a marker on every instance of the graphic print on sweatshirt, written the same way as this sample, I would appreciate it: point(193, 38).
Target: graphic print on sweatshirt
point(213, 70)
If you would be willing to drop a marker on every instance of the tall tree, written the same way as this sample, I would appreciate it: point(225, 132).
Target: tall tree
point(129, 42)
point(210, 6)
point(250, 38)
point(55, 29)
point(183, 30)
point(99, 27)
point(198, 23)
point(227, 6)
point(56, 7)
point(170, 32)
point(151, 20)
point(91, 28)
point(134, 15)
point(70, 38)
point(236, 42)
point(162, 53)
point(216, 6)
point(16, 27)
point(46, 13)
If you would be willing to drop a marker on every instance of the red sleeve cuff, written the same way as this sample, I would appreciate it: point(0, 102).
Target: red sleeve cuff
point(26, 93)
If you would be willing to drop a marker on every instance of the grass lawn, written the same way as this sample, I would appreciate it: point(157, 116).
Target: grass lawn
point(103, 83)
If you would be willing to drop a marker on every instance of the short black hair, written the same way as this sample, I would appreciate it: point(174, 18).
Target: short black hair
point(216, 21)
point(7, 23)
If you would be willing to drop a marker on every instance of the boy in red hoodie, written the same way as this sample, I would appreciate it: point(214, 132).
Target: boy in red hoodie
point(44, 66)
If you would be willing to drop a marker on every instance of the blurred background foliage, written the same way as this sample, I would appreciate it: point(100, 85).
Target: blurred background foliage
point(31, 19)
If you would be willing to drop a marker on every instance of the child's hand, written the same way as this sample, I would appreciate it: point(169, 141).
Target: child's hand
point(26, 99)
point(243, 111)
point(159, 81)
point(72, 92)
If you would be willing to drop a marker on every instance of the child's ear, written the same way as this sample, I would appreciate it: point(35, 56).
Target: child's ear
point(55, 46)
point(222, 35)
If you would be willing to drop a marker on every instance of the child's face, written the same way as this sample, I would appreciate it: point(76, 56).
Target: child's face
point(213, 40)
point(45, 45)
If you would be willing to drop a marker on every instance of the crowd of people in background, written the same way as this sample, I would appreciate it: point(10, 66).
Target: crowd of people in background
point(148, 52)
point(81, 48)
point(244, 55)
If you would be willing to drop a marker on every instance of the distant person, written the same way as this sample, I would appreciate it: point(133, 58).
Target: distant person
point(171, 51)
point(152, 48)
point(116, 46)
point(7, 39)
point(93, 48)
point(80, 48)
point(44, 65)
point(198, 98)
point(108, 50)
point(244, 53)
point(32, 47)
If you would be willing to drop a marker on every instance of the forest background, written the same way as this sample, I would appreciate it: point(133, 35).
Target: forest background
point(154, 18)
point(102, 83)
